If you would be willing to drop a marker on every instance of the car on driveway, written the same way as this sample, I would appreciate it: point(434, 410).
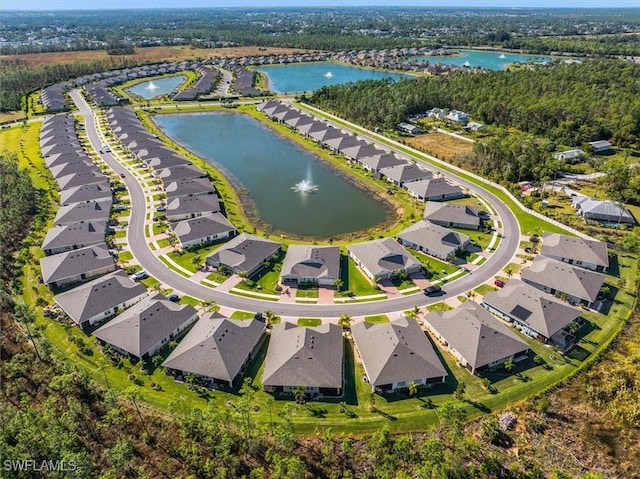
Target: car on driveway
point(499, 283)
point(139, 275)
point(432, 290)
point(174, 298)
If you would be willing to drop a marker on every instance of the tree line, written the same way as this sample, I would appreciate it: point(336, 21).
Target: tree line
point(567, 103)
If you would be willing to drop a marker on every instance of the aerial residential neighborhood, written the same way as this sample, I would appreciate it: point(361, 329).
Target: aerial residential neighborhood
point(337, 241)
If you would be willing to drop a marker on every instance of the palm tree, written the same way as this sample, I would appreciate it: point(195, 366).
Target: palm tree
point(413, 388)
point(300, 394)
point(270, 317)
point(471, 294)
point(345, 321)
point(338, 283)
point(197, 260)
point(509, 271)
point(208, 305)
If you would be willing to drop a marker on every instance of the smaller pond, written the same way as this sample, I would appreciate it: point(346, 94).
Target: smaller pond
point(155, 88)
point(301, 77)
point(484, 59)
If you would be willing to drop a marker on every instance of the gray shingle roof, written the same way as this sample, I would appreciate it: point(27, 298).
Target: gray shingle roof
point(78, 212)
point(433, 188)
point(83, 193)
point(73, 263)
point(311, 262)
point(244, 252)
point(383, 160)
point(216, 347)
point(476, 334)
point(405, 173)
point(189, 187)
point(540, 311)
point(577, 249)
point(581, 283)
point(300, 356)
point(79, 179)
point(438, 212)
point(434, 237)
point(396, 351)
point(144, 324)
point(99, 295)
point(201, 227)
point(598, 210)
point(382, 256)
point(186, 205)
point(78, 234)
point(182, 172)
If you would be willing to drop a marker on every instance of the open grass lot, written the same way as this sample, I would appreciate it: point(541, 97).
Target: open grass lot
point(441, 145)
point(11, 116)
point(148, 54)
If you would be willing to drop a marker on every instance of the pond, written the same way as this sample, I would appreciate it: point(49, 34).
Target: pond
point(155, 88)
point(291, 189)
point(484, 59)
point(301, 77)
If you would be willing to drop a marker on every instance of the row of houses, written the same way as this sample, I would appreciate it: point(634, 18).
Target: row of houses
point(192, 205)
point(419, 182)
point(204, 85)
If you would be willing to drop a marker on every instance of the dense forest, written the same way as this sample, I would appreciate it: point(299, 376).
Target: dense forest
point(328, 28)
point(567, 103)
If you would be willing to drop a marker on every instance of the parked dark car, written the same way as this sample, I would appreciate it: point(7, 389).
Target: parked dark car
point(432, 290)
point(499, 283)
point(174, 298)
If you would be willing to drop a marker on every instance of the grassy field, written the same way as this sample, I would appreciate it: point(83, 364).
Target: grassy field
point(440, 145)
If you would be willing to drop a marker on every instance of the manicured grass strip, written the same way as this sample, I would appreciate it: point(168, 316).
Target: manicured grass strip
point(189, 300)
point(436, 267)
point(484, 289)
point(440, 307)
point(242, 315)
point(247, 294)
point(377, 319)
point(125, 256)
point(309, 322)
point(172, 267)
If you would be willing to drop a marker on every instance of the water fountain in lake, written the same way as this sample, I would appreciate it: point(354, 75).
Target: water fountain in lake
point(152, 86)
point(328, 75)
point(306, 185)
point(466, 64)
point(502, 57)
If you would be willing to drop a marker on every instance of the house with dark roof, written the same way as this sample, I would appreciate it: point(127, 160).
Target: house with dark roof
point(434, 189)
point(381, 160)
point(185, 207)
point(74, 236)
point(311, 264)
point(101, 298)
point(216, 349)
point(203, 230)
point(402, 174)
point(84, 193)
point(601, 146)
point(360, 150)
point(82, 212)
point(383, 259)
point(452, 215)
point(397, 353)
point(168, 160)
point(590, 254)
point(245, 254)
point(76, 266)
point(72, 167)
point(311, 357)
point(477, 339)
point(433, 239)
point(555, 277)
point(79, 179)
point(142, 330)
point(180, 172)
point(535, 313)
point(189, 187)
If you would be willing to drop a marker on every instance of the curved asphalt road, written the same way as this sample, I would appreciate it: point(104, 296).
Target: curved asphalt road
point(155, 267)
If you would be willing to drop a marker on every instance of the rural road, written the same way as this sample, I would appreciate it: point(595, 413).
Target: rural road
point(155, 267)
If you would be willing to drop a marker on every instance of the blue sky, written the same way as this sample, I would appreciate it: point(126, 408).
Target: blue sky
point(97, 4)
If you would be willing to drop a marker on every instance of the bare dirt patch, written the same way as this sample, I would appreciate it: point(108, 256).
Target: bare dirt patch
point(440, 145)
point(150, 54)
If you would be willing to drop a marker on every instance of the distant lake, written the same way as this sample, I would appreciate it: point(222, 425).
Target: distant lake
point(484, 59)
point(269, 167)
point(154, 88)
point(300, 77)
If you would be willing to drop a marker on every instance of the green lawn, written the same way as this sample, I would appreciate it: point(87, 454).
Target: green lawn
point(217, 277)
point(307, 292)
point(242, 315)
point(189, 300)
point(480, 238)
point(441, 307)
point(484, 289)
point(377, 319)
point(354, 281)
point(120, 234)
point(309, 322)
point(515, 267)
point(164, 243)
point(266, 281)
point(125, 256)
point(436, 267)
point(190, 259)
point(406, 284)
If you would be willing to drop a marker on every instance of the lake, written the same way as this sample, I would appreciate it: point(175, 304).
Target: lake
point(309, 77)
point(269, 167)
point(484, 59)
point(155, 88)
